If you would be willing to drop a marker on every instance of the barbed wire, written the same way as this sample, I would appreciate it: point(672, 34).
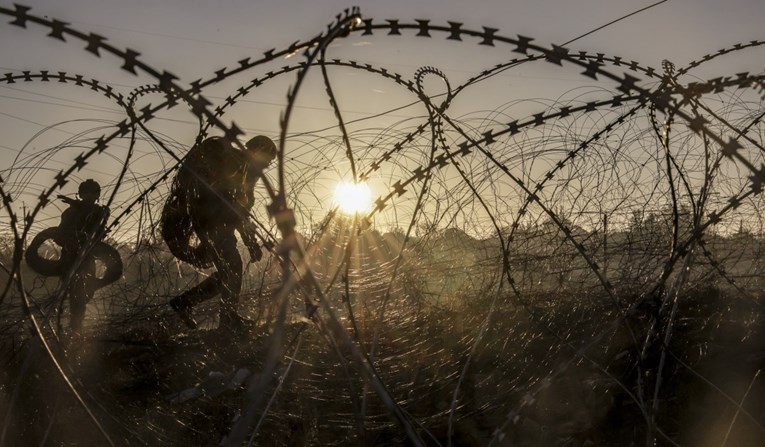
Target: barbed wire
point(528, 274)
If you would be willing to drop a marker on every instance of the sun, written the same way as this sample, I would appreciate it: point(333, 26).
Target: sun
point(353, 198)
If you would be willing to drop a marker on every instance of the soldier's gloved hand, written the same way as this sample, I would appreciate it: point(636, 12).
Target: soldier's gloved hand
point(255, 252)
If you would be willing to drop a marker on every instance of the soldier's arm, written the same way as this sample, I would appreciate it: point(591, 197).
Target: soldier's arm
point(249, 234)
point(66, 231)
point(103, 217)
point(247, 229)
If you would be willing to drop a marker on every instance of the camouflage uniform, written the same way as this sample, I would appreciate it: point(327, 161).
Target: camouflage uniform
point(215, 186)
point(82, 225)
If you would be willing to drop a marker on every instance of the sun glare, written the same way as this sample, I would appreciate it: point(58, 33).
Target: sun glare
point(353, 198)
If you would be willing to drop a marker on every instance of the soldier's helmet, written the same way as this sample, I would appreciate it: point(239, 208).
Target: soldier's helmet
point(89, 187)
point(261, 149)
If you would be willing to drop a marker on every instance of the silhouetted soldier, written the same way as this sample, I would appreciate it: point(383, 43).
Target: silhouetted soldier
point(82, 226)
point(211, 199)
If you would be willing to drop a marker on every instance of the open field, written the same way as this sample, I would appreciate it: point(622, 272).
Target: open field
point(465, 236)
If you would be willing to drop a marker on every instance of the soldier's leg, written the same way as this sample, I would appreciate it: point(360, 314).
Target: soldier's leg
point(203, 291)
point(77, 301)
point(209, 287)
point(228, 262)
point(88, 272)
point(80, 292)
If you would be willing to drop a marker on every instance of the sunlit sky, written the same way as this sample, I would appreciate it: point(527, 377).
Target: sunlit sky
point(194, 38)
point(221, 31)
